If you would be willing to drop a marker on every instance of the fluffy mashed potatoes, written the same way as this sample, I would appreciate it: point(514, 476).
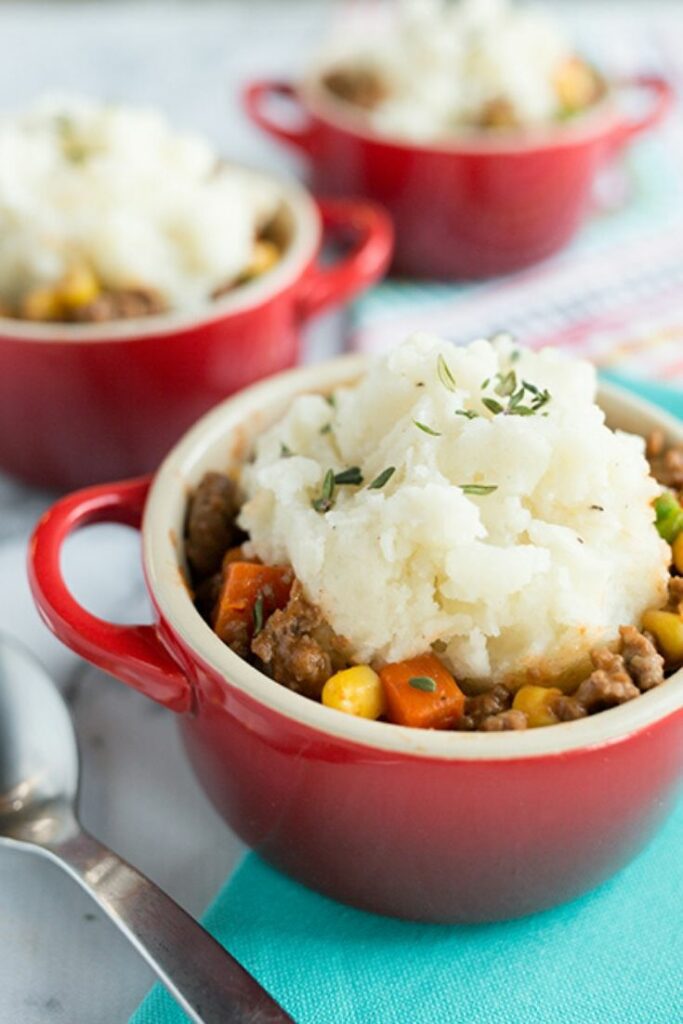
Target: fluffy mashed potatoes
point(511, 543)
point(116, 189)
point(444, 63)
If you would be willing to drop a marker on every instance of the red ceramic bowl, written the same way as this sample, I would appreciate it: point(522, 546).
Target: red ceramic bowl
point(420, 824)
point(85, 403)
point(474, 206)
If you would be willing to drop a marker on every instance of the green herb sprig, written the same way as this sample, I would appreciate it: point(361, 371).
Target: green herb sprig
point(324, 502)
point(383, 478)
point(445, 375)
point(352, 475)
point(258, 614)
point(424, 683)
point(478, 489)
point(427, 430)
point(523, 397)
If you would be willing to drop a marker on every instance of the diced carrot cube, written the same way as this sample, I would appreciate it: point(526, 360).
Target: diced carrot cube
point(421, 693)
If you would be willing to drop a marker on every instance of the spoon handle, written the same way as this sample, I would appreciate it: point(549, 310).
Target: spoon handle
point(205, 980)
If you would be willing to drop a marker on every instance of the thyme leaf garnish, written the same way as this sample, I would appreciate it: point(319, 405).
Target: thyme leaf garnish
point(425, 429)
point(508, 387)
point(352, 475)
point(445, 375)
point(479, 489)
point(285, 451)
point(331, 400)
point(382, 479)
point(327, 429)
point(507, 384)
point(492, 405)
point(325, 501)
point(470, 414)
point(258, 614)
point(424, 683)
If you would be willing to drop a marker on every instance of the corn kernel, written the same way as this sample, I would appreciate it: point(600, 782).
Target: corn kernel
point(356, 691)
point(78, 287)
point(677, 552)
point(667, 629)
point(42, 304)
point(264, 256)
point(536, 703)
point(576, 85)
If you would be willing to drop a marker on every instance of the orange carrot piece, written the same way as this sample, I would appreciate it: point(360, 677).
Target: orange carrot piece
point(246, 584)
point(421, 693)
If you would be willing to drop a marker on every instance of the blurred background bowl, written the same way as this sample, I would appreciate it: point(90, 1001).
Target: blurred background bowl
point(80, 403)
point(470, 207)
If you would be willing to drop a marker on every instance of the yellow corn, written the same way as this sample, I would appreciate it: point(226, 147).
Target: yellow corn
point(575, 84)
point(42, 304)
point(667, 629)
point(264, 256)
point(78, 288)
point(357, 691)
point(677, 551)
point(536, 703)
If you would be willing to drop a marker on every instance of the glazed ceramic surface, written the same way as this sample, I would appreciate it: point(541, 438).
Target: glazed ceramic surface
point(82, 403)
point(474, 206)
point(434, 826)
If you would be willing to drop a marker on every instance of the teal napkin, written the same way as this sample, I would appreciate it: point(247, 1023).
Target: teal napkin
point(613, 957)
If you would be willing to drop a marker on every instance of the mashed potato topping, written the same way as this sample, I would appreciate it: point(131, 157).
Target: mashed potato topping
point(442, 64)
point(481, 508)
point(117, 190)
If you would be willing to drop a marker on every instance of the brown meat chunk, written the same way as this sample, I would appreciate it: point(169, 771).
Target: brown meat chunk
point(675, 600)
point(484, 705)
point(656, 442)
point(498, 113)
point(298, 648)
point(363, 87)
point(122, 304)
point(211, 526)
point(667, 467)
point(643, 662)
point(568, 709)
point(505, 721)
point(608, 685)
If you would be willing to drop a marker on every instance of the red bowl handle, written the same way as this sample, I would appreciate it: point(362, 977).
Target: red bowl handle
point(371, 233)
point(663, 96)
point(136, 654)
point(255, 98)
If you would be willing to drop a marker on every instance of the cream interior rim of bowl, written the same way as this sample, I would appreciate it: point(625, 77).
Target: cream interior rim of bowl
point(597, 120)
point(300, 249)
point(222, 437)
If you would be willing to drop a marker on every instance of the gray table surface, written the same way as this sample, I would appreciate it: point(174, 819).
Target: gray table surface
point(60, 960)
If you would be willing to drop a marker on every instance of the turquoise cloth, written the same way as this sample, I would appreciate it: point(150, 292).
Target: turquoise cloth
point(612, 957)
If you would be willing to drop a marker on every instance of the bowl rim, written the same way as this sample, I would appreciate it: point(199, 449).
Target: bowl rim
point(248, 296)
point(162, 538)
point(594, 123)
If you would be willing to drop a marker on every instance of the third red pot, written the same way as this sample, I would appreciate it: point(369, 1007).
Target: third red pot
point(472, 207)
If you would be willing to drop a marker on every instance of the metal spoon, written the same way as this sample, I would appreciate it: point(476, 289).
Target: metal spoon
point(38, 790)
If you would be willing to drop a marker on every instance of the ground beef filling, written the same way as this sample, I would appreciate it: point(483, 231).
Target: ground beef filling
point(297, 648)
point(123, 304)
point(210, 529)
point(361, 86)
